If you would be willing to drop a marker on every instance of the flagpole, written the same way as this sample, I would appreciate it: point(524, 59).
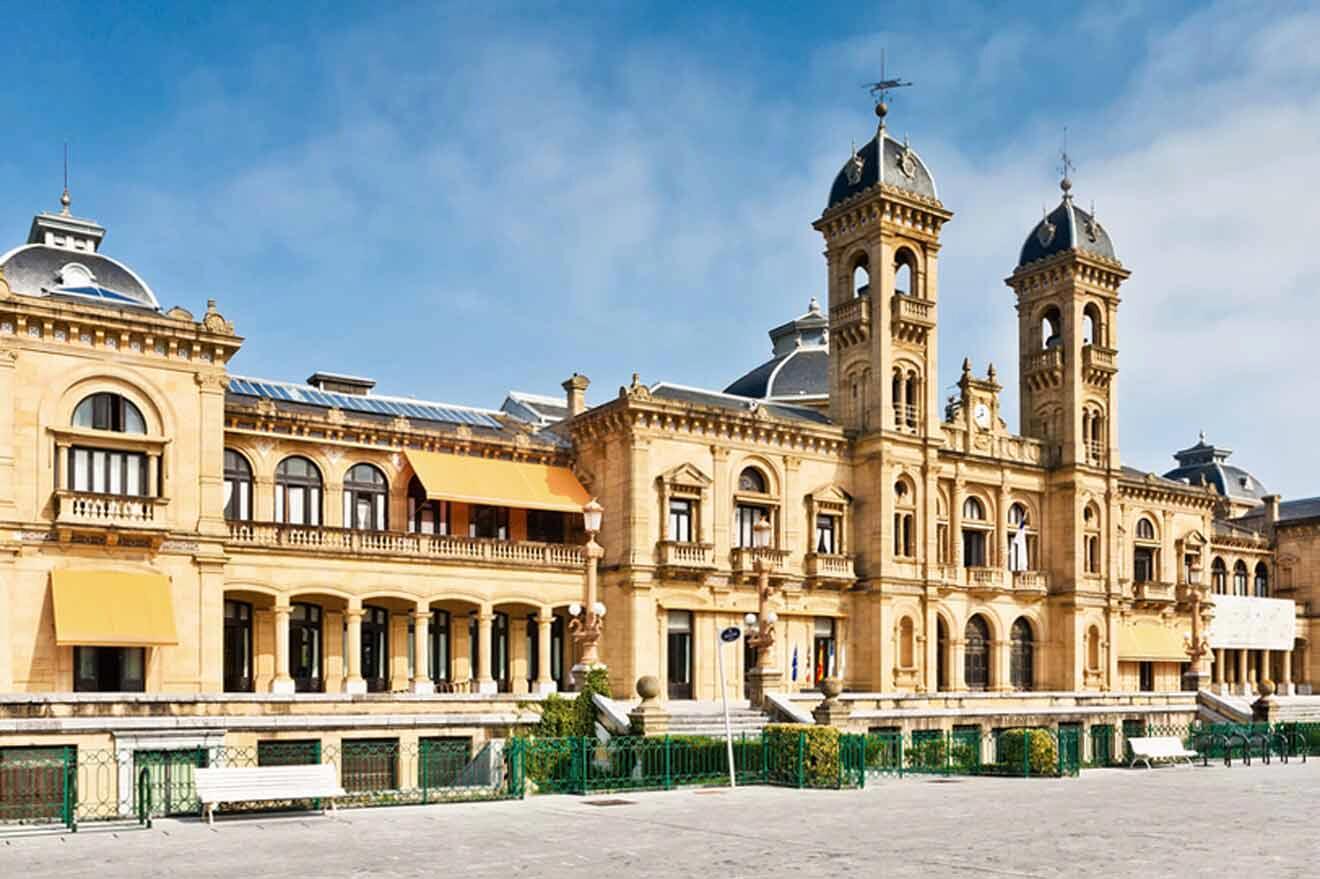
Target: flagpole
point(724, 695)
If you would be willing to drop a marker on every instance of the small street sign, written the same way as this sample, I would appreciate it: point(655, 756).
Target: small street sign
point(731, 634)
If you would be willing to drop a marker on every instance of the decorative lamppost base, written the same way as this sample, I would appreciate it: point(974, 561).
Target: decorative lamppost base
point(763, 681)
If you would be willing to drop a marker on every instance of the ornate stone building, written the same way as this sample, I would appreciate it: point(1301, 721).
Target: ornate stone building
point(236, 551)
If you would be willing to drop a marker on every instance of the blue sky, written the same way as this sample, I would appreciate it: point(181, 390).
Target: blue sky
point(459, 201)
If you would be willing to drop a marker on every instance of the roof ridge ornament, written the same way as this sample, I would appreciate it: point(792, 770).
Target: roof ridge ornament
point(65, 199)
point(853, 169)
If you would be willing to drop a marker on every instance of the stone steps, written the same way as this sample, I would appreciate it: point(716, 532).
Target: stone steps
point(707, 719)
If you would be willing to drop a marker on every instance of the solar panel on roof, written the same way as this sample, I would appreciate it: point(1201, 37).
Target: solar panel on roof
point(353, 403)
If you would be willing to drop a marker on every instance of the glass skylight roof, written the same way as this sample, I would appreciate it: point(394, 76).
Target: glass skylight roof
point(393, 406)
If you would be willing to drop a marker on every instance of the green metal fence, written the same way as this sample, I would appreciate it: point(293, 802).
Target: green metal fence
point(68, 785)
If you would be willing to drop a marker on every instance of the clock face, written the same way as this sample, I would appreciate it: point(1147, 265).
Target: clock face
point(982, 415)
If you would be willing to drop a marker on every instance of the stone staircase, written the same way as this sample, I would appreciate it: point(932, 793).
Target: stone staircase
point(707, 719)
point(1237, 709)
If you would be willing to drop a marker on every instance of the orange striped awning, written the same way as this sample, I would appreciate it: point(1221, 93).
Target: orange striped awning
point(499, 483)
point(112, 609)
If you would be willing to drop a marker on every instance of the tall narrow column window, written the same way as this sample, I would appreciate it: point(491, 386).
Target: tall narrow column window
point(238, 487)
point(297, 492)
point(366, 496)
point(376, 648)
point(238, 647)
point(305, 648)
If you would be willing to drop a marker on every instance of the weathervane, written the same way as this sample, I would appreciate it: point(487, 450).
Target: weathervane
point(880, 90)
point(1066, 166)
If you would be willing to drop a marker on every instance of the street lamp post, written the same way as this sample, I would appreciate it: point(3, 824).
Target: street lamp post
point(765, 678)
point(1196, 645)
point(588, 617)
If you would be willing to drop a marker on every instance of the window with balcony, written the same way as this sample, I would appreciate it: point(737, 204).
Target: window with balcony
point(366, 499)
point(298, 492)
point(975, 530)
point(681, 520)
point(426, 516)
point(238, 487)
point(827, 534)
point(1145, 554)
point(1240, 578)
point(491, 523)
point(1021, 549)
point(745, 517)
point(106, 471)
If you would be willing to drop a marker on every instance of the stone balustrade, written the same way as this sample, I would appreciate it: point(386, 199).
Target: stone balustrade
point(79, 508)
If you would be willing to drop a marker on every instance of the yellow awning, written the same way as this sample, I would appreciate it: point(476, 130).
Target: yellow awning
point(112, 609)
point(1151, 640)
point(498, 483)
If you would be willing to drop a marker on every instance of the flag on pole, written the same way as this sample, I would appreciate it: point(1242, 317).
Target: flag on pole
point(795, 663)
point(1019, 560)
point(831, 663)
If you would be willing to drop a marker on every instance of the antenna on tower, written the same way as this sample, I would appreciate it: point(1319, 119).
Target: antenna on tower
point(65, 200)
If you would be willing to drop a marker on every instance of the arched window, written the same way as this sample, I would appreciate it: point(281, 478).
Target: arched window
point(1262, 581)
point(1145, 553)
point(861, 276)
point(238, 487)
point(752, 480)
point(904, 274)
point(1021, 655)
point(365, 498)
point(1021, 547)
point(1051, 328)
point(976, 654)
point(1219, 577)
point(907, 641)
point(1091, 539)
point(911, 401)
point(297, 492)
point(974, 533)
point(1093, 649)
point(905, 539)
point(426, 516)
point(1092, 332)
point(111, 412)
point(102, 470)
point(1240, 578)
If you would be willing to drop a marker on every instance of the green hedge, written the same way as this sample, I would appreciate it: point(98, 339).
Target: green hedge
point(801, 754)
point(1027, 752)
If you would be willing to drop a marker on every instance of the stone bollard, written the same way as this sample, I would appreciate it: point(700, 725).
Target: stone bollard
point(831, 712)
point(649, 718)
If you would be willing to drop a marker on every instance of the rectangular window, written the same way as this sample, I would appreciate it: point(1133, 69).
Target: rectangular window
point(370, 765)
point(1143, 564)
point(491, 523)
point(442, 760)
point(109, 669)
point(826, 536)
point(1147, 674)
point(33, 780)
point(545, 526)
point(238, 647)
point(299, 752)
point(680, 520)
point(103, 472)
point(428, 517)
point(679, 644)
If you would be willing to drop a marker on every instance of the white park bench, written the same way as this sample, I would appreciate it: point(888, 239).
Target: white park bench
point(1159, 749)
point(263, 784)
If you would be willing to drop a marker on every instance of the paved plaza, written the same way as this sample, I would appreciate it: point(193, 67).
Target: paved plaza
point(1249, 821)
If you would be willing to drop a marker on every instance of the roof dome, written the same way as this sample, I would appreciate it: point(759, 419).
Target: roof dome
point(1206, 464)
point(61, 259)
point(799, 369)
point(1067, 227)
point(902, 168)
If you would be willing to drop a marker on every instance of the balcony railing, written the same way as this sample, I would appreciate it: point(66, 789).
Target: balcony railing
point(693, 556)
point(1031, 582)
point(394, 543)
point(1099, 363)
point(911, 310)
point(850, 322)
point(828, 566)
point(109, 511)
point(743, 559)
point(1095, 452)
point(1151, 590)
point(985, 578)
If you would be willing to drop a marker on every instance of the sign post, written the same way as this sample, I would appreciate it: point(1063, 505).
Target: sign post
point(727, 636)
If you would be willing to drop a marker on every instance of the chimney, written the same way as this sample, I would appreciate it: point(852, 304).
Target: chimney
point(1271, 510)
point(576, 387)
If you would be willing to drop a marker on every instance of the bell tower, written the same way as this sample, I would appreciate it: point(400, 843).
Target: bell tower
point(1066, 282)
point(882, 239)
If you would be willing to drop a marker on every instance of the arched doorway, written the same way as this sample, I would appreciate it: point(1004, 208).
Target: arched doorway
point(976, 654)
point(1021, 663)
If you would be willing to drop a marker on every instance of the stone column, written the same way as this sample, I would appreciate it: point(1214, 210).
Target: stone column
point(282, 682)
point(353, 682)
point(931, 648)
point(1243, 684)
point(1266, 672)
point(957, 664)
point(1285, 676)
point(955, 524)
point(999, 680)
point(62, 480)
point(544, 620)
point(485, 620)
point(1218, 680)
point(1111, 651)
point(1000, 556)
point(421, 682)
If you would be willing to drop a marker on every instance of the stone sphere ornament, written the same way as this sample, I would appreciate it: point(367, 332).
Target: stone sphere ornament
point(648, 687)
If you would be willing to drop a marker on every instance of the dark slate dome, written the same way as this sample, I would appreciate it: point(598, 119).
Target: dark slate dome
point(1206, 464)
point(799, 367)
point(1067, 227)
point(902, 168)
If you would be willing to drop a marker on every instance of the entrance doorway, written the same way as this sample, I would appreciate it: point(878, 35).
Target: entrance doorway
point(680, 654)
